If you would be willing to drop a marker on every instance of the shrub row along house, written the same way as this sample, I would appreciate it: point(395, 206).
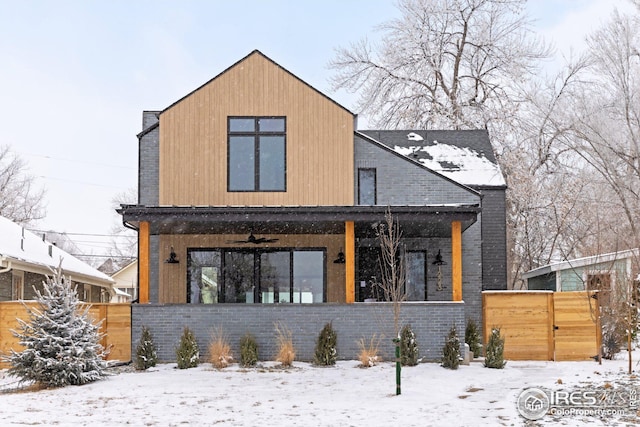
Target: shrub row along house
point(259, 201)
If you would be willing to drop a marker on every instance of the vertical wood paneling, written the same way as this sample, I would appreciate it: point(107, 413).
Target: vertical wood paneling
point(143, 264)
point(193, 140)
point(456, 260)
point(350, 261)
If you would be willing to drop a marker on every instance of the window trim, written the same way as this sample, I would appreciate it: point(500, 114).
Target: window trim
point(256, 134)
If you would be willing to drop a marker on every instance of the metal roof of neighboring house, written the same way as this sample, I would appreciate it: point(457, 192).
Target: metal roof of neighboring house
point(465, 156)
point(24, 250)
point(580, 262)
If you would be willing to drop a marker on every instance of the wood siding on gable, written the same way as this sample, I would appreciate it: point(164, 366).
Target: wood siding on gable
point(193, 140)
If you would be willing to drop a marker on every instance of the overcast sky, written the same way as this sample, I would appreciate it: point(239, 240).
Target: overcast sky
point(75, 76)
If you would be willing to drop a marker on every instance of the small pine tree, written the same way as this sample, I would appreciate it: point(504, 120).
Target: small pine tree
point(494, 357)
point(451, 350)
point(326, 346)
point(187, 352)
point(248, 350)
point(408, 347)
point(61, 343)
point(146, 351)
point(472, 337)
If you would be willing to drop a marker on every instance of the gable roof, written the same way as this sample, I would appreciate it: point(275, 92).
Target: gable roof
point(580, 262)
point(465, 156)
point(23, 250)
point(262, 55)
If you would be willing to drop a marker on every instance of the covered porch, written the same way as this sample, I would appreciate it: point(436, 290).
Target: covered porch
point(300, 254)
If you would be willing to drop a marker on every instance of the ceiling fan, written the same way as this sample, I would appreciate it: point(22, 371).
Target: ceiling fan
point(253, 239)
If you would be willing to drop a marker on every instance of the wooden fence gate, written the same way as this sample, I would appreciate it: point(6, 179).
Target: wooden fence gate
point(544, 325)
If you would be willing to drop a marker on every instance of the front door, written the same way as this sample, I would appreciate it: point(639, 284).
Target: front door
point(368, 274)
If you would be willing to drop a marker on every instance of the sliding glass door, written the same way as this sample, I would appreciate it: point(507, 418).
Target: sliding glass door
point(268, 276)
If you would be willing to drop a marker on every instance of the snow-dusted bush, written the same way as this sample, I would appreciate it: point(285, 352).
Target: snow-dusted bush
point(408, 347)
point(472, 337)
point(248, 350)
point(494, 355)
point(451, 350)
point(326, 346)
point(187, 352)
point(61, 343)
point(146, 351)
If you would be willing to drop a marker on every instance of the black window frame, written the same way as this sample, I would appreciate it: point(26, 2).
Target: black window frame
point(256, 134)
point(256, 252)
point(425, 272)
point(375, 186)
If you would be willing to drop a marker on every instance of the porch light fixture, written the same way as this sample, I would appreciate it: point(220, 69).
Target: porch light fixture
point(439, 262)
point(173, 258)
point(340, 259)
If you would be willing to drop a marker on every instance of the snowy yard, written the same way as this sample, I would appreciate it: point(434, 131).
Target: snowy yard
point(306, 395)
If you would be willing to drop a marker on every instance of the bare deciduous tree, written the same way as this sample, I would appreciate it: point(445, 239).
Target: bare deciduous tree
point(392, 269)
point(442, 64)
point(20, 199)
point(124, 244)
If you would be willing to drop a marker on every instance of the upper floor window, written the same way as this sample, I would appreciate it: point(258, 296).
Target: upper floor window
point(366, 186)
point(256, 154)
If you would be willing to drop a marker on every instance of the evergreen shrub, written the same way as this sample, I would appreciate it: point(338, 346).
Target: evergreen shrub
point(187, 352)
point(494, 355)
point(472, 337)
point(248, 350)
point(408, 347)
point(451, 350)
point(326, 346)
point(146, 351)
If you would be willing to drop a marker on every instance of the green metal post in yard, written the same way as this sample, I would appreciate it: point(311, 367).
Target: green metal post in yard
point(398, 365)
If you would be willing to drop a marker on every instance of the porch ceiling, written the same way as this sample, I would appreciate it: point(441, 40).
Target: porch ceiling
point(415, 221)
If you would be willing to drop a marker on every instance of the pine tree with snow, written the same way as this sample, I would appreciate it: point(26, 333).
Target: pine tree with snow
point(146, 351)
point(326, 346)
point(451, 350)
point(494, 355)
point(408, 346)
point(187, 352)
point(61, 344)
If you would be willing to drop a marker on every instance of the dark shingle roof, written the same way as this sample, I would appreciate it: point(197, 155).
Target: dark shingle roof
point(466, 156)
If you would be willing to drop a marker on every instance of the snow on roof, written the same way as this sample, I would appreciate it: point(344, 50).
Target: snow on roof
point(465, 157)
point(581, 262)
point(22, 246)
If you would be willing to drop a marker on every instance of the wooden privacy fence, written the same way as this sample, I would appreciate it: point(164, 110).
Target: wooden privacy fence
point(544, 325)
point(116, 326)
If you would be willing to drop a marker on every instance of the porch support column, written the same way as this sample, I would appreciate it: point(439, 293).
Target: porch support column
point(350, 261)
point(143, 265)
point(456, 260)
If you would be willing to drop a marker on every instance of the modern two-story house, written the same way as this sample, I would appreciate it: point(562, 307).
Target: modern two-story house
point(259, 200)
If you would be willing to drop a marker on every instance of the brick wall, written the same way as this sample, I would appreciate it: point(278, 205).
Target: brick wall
point(430, 321)
point(149, 163)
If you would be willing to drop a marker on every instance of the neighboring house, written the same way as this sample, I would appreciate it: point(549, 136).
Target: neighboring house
point(27, 259)
point(599, 272)
point(256, 189)
point(126, 286)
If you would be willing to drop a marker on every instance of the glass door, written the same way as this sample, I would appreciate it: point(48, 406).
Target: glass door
point(239, 277)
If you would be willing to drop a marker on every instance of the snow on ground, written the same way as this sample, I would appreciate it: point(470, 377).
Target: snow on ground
point(307, 395)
